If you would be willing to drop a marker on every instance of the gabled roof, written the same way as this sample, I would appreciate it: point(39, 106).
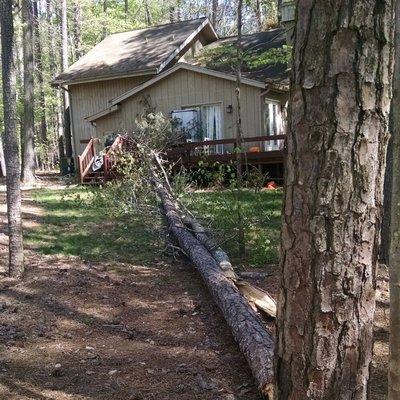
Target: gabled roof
point(114, 103)
point(137, 52)
point(252, 44)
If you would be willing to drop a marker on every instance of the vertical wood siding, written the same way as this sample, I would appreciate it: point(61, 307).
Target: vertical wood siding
point(188, 88)
point(88, 98)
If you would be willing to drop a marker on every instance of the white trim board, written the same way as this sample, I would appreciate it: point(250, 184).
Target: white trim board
point(102, 113)
point(187, 41)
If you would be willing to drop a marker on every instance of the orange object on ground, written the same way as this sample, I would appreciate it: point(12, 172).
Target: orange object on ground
point(254, 149)
point(271, 185)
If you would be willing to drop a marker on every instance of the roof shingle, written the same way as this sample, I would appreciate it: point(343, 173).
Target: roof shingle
point(141, 50)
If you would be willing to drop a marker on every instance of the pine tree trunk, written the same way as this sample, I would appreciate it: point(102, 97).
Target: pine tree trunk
point(28, 165)
point(214, 13)
point(336, 146)
point(148, 15)
point(258, 14)
point(105, 6)
point(126, 4)
point(239, 135)
point(11, 147)
point(52, 33)
point(64, 63)
point(394, 248)
point(77, 31)
point(39, 72)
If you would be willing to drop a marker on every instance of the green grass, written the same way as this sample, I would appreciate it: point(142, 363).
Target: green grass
point(73, 227)
point(262, 222)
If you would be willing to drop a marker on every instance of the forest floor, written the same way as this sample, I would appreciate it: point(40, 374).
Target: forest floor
point(103, 314)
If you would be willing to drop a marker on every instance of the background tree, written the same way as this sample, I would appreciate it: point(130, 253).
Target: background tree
point(336, 144)
point(28, 126)
point(65, 63)
point(11, 147)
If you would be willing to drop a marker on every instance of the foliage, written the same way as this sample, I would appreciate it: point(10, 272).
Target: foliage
point(226, 56)
point(155, 131)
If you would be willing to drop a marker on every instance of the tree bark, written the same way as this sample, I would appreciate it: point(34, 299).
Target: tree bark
point(105, 6)
point(77, 31)
point(394, 248)
point(148, 14)
point(258, 14)
point(239, 134)
point(126, 6)
point(336, 146)
point(28, 165)
point(214, 14)
point(64, 63)
point(11, 147)
point(39, 72)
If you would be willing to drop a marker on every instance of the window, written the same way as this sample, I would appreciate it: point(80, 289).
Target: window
point(272, 123)
point(210, 117)
point(200, 123)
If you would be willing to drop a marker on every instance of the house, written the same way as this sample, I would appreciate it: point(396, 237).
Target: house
point(166, 68)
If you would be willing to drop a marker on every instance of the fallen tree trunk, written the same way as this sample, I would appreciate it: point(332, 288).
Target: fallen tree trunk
point(260, 298)
point(255, 342)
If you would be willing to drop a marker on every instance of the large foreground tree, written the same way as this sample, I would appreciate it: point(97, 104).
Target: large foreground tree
point(336, 145)
point(11, 150)
point(394, 212)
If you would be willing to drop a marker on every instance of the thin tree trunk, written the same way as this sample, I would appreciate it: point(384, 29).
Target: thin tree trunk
point(64, 63)
point(105, 5)
point(148, 15)
point(239, 136)
point(258, 14)
point(171, 14)
point(28, 170)
point(394, 248)
point(126, 9)
point(214, 13)
point(336, 146)
point(39, 72)
point(52, 33)
point(77, 31)
point(11, 148)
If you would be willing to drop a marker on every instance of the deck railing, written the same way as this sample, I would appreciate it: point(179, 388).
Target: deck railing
point(225, 149)
point(85, 160)
point(110, 157)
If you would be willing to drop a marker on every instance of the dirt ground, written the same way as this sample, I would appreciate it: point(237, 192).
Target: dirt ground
point(79, 330)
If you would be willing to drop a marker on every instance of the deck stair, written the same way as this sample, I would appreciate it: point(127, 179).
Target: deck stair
point(85, 161)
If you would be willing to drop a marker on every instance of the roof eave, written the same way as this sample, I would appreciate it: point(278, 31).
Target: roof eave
point(61, 82)
point(187, 41)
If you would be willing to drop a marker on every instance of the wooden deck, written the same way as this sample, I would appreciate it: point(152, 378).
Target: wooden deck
point(254, 151)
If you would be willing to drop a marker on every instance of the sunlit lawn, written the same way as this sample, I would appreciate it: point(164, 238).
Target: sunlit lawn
point(71, 226)
point(262, 221)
